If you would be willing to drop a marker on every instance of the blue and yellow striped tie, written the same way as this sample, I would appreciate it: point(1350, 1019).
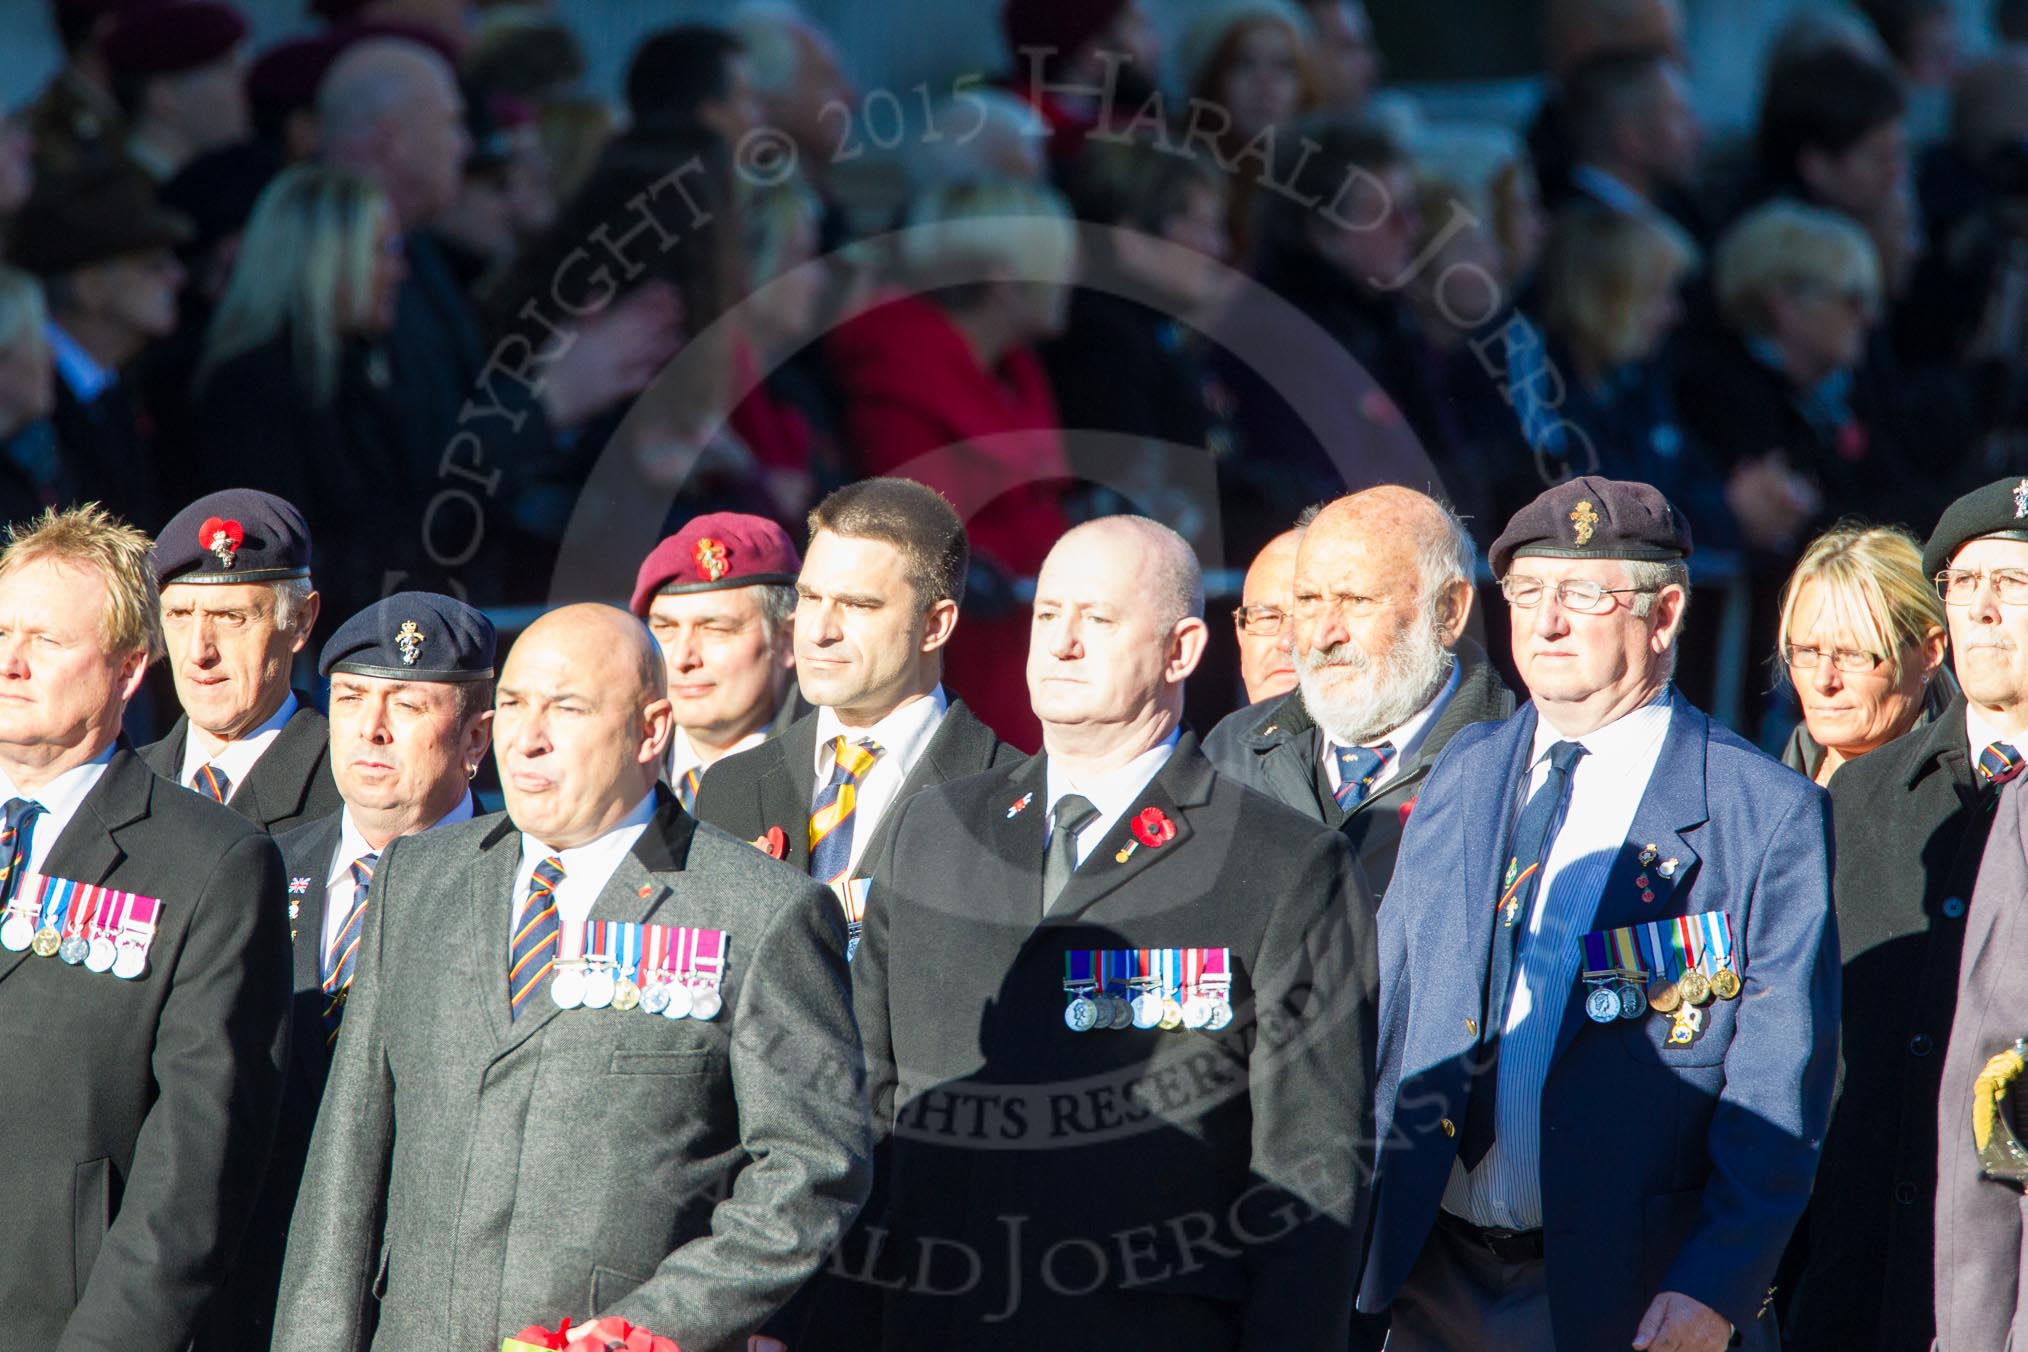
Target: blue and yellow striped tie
point(341, 957)
point(531, 957)
point(831, 818)
point(686, 788)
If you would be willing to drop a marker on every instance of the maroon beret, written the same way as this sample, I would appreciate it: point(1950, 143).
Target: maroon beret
point(715, 551)
point(344, 34)
point(286, 75)
point(1060, 26)
point(178, 35)
point(1593, 518)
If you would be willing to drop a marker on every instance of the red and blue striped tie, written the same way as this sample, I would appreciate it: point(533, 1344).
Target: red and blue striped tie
point(1999, 763)
point(212, 782)
point(531, 957)
point(17, 825)
point(341, 956)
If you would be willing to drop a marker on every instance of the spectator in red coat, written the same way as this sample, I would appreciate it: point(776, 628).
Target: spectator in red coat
point(942, 385)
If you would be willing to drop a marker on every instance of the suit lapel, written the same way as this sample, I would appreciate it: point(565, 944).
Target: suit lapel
point(493, 905)
point(163, 757)
point(280, 780)
point(1183, 782)
point(954, 751)
point(786, 797)
point(1011, 826)
point(1490, 818)
point(312, 868)
point(89, 850)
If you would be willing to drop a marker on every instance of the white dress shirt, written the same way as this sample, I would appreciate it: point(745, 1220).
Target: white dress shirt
point(1980, 734)
point(1606, 788)
point(60, 798)
point(587, 868)
point(1407, 739)
point(236, 758)
point(684, 757)
point(902, 737)
point(340, 891)
point(1113, 793)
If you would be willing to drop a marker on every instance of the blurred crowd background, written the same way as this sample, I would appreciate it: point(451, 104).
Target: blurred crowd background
point(498, 294)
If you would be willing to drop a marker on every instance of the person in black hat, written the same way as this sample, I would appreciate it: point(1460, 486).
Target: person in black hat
point(237, 606)
point(1912, 820)
point(1583, 894)
point(176, 73)
point(105, 250)
point(411, 722)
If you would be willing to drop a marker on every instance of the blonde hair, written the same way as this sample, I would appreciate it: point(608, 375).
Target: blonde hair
point(93, 538)
point(961, 234)
point(305, 266)
point(1599, 269)
point(1873, 588)
point(1786, 246)
point(22, 310)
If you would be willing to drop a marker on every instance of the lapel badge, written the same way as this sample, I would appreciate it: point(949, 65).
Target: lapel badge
point(2021, 499)
point(1583, 521)
point(1668, 868)
point(643, 891)
point(711, 559)
point(1153, 827)
point(1649, 854)
point(1014, 808)
point(773, 842)
point(409, 638)
point(1404, 810)
point(222, 537)
point(299, 887)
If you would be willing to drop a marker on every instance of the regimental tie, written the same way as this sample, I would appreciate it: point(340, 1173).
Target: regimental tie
point(1999, 763)
point(531, 957)
point(341, 955)
point(1533, 836)
point(212, 782)
point(17, 828)
point(686, 788)
point(831, 818)
point(1358, 767)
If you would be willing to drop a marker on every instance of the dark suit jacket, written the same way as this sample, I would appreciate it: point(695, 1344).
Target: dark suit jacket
point(1275, 747)
point(1663, 1168)
point(472, 1174)
point(1165, 1153)
point(1912, 820)
point(290, 784)
point(773, 784)
point(138, 1114)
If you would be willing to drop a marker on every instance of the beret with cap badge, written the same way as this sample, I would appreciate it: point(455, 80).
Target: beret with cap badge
point(1593, 518)
point(1997, 511)
point(234, 535)
point(413, 636)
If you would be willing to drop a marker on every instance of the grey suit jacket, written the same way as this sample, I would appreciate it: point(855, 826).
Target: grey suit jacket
point(289, 785)
point(471, 1175)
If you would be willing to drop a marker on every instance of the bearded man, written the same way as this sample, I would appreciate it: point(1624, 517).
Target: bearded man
point(1385, 674)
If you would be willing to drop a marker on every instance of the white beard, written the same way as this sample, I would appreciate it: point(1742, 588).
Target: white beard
point(1382, 693)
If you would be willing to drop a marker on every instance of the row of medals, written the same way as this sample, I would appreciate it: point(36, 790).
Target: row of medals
point(589, 984)
point(1093, 1010)
point(94, 955)
point(1621, 997)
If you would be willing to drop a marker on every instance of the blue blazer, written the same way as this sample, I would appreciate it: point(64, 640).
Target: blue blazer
point(1663, 1168)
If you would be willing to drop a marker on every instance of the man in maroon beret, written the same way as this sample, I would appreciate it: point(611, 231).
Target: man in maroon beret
point(176, 74)
point(720, 598)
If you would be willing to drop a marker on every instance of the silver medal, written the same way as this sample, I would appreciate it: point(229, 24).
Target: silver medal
point(655, 999)
point(706, 1003)
point(16, 932)
point(1080, 1015)
point(1602, 1005)
point(1147, 1009)
point(74, 949)
point(131, 962)
point(599, 985)
point(679, 1002)
point(1633, 1000)
point(566, 987)
point(1221, 1014)
point(100, 958)
point(1196, 1012)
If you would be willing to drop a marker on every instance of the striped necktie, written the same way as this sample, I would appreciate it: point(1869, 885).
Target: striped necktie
point(1358, 767)
point(1999, 763)
point(831, 818)
point(341, 956)
point(17, 828)
point(531, 957)
point(686, 788)
point(212, 782)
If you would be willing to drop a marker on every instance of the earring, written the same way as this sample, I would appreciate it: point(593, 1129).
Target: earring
point(472, 771)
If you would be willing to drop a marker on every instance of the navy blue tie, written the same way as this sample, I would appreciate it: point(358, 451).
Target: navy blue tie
point(1533, 836)
point(1358, 767)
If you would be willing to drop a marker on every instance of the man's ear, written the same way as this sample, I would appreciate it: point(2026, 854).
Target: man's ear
point(658, 725)
point(306, 621)
point(1187, 642)
point(1454, 610)
point(940, 623)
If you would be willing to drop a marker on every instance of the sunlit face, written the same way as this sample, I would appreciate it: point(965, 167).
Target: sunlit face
point(724, 666)
point(61, 687)
point(229, 656)
point(1599, 660)
point(1849, 712)
point(1267, 664)
point(1989, 641)
point(403, 747)
point(1098, 653)
point(861, 631)
point(572, 736)
point(1263, 84)
point(1366, 647)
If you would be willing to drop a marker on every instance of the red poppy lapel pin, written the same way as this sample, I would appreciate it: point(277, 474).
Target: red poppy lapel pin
point(1153, 827)
point(222, 537)
point(1405, 809)
point(774, 843)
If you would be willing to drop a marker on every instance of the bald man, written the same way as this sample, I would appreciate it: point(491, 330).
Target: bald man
point(597, 1060)
point(1267, 664)
point(1382, 594)
point(1158, 1146)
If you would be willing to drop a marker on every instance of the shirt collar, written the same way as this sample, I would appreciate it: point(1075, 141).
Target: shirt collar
point(598, 856)
point(1980, 734)
point(1618, 740)
point(902, 735)
point(1407, 738)
point(81, 372)
point(61, 796)
point(352, 845)
point(237, 757)
point(1113, 792)
point(683, 755)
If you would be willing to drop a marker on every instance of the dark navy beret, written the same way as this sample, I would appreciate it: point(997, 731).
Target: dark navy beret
point(413, 636)
point(235, 535)
point(2000, 509)
point(1593, 518)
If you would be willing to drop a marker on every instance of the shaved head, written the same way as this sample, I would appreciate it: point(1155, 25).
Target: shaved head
point(1266, 663)
point(581, 725)
point(1165, 564)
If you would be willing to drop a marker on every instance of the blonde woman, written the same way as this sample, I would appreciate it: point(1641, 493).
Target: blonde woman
point(1862, 641)
point(293, 390)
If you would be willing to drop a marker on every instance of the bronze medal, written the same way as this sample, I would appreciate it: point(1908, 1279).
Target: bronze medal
point(47, 942)
point(1663, 997)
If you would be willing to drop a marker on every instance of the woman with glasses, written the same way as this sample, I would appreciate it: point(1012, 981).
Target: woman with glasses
point(1862, 643)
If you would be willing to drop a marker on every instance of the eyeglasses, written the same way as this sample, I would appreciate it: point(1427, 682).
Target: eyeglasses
point(1586, 598)
point(1957, 587)
point(1260, 621)
point(1844, 659)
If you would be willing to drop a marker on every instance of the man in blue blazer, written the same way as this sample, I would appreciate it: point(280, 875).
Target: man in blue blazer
point(1609, 982)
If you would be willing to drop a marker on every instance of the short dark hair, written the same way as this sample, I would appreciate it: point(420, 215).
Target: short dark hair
point(1827, 101)
point(915, 519)
point(1604, 89)
point(676, 72)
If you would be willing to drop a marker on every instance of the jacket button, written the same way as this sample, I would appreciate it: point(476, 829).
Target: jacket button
point(1450, 1128)
point(1920, 1045)
point(1954, 907)
point(1904, 1193)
